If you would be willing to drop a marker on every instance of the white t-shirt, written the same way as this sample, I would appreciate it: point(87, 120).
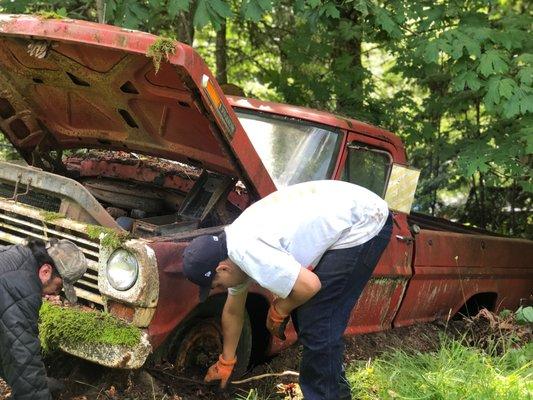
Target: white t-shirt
point(293, 227)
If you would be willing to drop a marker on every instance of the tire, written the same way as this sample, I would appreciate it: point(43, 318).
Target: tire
point(200, 343)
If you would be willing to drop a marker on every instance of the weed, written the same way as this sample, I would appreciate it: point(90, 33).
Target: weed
point(524, 315)
point(452, 372)
point(51, 14)
point(109, 238)
point(49, 216)
point(163, 47)
point(74, 326)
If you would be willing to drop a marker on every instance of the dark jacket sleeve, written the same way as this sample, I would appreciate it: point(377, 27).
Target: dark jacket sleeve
point(20, 348)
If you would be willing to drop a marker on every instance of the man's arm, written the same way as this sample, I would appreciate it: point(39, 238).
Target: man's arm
point(306, 286)
point(232, 322)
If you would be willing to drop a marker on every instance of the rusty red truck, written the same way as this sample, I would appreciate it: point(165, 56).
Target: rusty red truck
point(165, 156)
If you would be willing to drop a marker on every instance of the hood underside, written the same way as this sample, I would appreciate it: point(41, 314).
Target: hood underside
point(73, 84)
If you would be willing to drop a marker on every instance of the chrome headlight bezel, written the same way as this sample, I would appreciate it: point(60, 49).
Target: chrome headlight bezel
point(122, 258)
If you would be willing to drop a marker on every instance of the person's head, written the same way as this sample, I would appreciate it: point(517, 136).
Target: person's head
point(206, 263)
point(60, 264)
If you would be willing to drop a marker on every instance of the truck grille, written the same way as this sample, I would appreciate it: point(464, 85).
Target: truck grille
point(19, 221)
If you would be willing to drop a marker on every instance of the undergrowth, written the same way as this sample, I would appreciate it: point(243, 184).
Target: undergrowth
point(453, 372)
point(74, 326)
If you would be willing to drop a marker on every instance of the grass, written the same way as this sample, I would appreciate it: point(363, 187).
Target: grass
point(73, 326)
point(453, 372)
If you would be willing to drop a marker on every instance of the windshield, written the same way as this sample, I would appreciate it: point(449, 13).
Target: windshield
point(292, 151)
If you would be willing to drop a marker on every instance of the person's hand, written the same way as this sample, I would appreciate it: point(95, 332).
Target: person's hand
point(220, 371)
point(276, 322)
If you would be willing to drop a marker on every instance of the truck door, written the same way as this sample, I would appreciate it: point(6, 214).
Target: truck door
point(367, 162)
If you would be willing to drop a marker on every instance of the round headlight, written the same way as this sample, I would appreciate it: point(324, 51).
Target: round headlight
point(122, 269)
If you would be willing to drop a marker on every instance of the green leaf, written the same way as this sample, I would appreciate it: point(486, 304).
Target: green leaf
point(506, 87)
point(526, 58)
point(512, 106)
point(314, 3)
point(385, 21)
point(493, 92)
point(525, 75)
point(332, 11)
point(431, 53)
point(362, 7)
point(472, 80)
point(220, 10)
point(175, 6)
point(524, 315)
point(62, 11)
point(201, 16)
point(457, 49)
point(492, 63)
point(111, 7)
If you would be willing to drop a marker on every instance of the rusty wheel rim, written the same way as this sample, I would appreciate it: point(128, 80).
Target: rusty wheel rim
point(200, 347)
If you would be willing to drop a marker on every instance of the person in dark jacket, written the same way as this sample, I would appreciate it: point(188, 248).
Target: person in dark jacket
point(27, 272)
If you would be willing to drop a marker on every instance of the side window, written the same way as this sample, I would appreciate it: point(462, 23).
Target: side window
point(367, 167)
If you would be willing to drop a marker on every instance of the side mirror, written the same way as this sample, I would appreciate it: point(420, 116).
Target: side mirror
point(401, 188)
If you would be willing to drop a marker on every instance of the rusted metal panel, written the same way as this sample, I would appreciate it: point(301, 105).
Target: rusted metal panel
point(450, 268)
point(95, 87)
point(177, 296)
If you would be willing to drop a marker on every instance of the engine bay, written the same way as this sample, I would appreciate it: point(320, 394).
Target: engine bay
point(145, 196)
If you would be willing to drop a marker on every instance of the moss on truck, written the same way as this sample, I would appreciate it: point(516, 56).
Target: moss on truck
point(73, 326)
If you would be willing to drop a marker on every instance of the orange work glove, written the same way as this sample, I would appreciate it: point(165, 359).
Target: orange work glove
point(276, 322)
point(220, 371)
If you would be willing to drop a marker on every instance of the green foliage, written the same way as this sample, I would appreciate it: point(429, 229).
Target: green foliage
point(61, 13)
point(161, 49)
point(452, 372)
point(49, 216)
point(524, 315)
point(109, 238)
point(72, 326)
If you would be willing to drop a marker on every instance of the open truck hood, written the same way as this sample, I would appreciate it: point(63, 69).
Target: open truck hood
point(68, 84)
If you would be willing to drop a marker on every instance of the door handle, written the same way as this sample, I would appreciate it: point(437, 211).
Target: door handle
point(405, 239)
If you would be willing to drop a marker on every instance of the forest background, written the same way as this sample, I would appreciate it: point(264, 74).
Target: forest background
point(452, 78)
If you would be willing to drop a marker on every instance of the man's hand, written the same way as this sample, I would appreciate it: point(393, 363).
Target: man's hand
point(276, 322)
point(220, 371)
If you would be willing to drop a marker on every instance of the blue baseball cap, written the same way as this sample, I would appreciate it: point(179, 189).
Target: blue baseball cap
point(201, 258)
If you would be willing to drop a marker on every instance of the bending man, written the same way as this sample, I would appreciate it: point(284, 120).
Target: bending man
point(314, 245)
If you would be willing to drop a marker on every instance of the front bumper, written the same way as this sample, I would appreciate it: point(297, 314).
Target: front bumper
point(112, 356)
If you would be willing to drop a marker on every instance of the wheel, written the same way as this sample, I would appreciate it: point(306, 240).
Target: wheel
point(201, 344)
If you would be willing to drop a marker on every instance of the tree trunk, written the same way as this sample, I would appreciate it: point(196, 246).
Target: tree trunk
point(186, 25)
point(100, 11)
point(221, 55)
point(350, 89)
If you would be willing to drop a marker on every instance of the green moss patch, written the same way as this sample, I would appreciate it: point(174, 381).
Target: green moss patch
point(72, 326)
point(49, 15)
point(163, 47)
point(108, 237)
point(49, 216)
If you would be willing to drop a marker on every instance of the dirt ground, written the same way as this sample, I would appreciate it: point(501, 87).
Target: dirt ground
point(85, 381)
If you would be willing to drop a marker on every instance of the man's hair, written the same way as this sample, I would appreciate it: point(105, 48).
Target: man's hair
point(38, 249)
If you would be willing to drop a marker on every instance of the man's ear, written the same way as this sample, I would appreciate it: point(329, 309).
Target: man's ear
point(45, 272)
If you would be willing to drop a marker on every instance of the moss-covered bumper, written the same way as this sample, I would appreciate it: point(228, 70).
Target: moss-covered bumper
point(94, 336)
point(112, 356)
